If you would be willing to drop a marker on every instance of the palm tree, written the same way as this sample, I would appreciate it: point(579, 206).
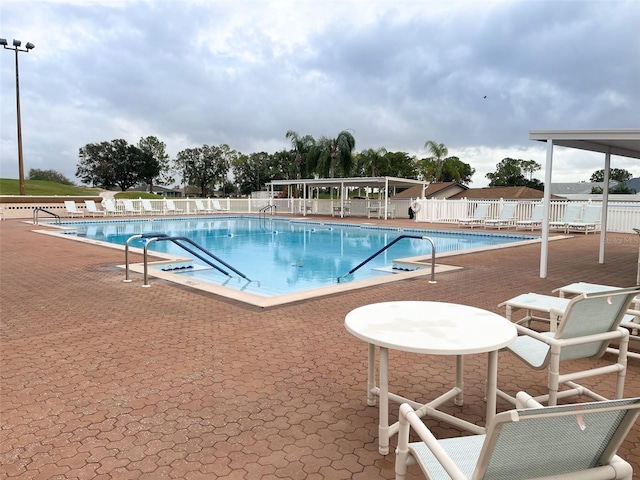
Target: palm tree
point(439, 165)
point(373, 161)
point(302, 148)
point(336, 153)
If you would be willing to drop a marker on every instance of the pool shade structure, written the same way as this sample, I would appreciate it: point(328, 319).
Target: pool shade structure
point(381, 183)
point(623, 143)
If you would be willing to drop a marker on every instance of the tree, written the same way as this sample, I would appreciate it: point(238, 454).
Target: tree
point(510, 172)
point(439, 167)
point(205, 166)
point(372, 162)
point(617, 174)
point(110, 164)
point(620, 188)
point(302, 150)
point(252, 171)
point(158, 170)
point(457, 171)
point(49, 175)
point(400, 164)
point(335, 155)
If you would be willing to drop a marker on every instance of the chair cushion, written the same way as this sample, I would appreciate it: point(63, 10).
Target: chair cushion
point(464, 451)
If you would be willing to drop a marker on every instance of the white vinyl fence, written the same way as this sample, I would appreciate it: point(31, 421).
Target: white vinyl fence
point(622, 216)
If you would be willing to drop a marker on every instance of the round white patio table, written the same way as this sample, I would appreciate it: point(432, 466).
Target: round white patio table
point(430, 328)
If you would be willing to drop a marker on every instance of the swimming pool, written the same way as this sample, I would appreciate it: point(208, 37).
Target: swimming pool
point(284, 256)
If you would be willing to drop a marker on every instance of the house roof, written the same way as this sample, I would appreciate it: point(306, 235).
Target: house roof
point(432, 189)
point(577, 188)
point(500, 192)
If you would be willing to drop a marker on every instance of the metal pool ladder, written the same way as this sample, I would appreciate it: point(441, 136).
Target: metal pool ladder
point(153, 237)
point(419, 237)
point(39, 209)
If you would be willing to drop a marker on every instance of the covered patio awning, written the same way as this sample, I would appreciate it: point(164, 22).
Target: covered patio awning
point(382, 183)
point(624, 143)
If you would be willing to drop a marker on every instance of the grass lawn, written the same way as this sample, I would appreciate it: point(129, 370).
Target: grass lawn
point(11, 186)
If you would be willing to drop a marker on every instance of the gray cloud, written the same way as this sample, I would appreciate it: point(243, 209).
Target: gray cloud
point(243, 73)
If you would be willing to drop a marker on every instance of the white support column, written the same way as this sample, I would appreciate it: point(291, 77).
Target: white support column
point(544, 248)
point(605, 205)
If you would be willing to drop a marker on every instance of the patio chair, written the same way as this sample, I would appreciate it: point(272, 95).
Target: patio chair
point(92, 209)
point(507, 217)
point(534, 221)
point(373, 209)
point(571, 215)
point(170, 206)
point(72, 209)
point(200, 208)
point(479, 216)
point(148, 208)
point(130, 209)
point(590, 221)
point(586, 326)
point(570, 442)
point(217, 207)
point(110, 207)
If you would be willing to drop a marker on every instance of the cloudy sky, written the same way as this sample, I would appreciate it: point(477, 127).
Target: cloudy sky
point(475, 75)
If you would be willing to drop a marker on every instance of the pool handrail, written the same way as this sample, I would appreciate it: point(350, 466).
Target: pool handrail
point(419, 237)
point(154, 237)
point(267, 207)
point(40, 209)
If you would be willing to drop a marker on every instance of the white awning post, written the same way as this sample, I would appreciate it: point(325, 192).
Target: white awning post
point(544, 252)
point(605, 205)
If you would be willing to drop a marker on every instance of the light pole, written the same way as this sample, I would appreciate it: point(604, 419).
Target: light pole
point(16, 48)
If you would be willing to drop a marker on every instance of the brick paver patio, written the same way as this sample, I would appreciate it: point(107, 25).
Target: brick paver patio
point(103, 379)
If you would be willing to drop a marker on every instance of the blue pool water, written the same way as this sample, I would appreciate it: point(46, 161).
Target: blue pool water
point(283, 256)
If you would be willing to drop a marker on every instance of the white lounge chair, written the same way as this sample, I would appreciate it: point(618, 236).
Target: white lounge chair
point(571, 214)
point(507, 217)
point(130, 209)
point(92, 209)
point(534, 221)
point(200, 208)
point(586, 326)
point(72, 209)
point(217, 207)
point(590, 221)
point(479, 216)
point(170, 206)
point(148, 208)
point(110, 207)
point(577, 441)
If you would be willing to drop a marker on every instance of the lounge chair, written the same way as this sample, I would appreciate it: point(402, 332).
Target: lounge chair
point(148, 208)
point(534, 221)
point(479, 216)
point(200, 208)
point(507, 217)
point(92, 209)
point(130, 209)
point(72, 209)
point(590, 221)
point(571, 215)
point(170, 206)
point(577, 441)
point(110, 207)
point(586, 326)
point(217, 207)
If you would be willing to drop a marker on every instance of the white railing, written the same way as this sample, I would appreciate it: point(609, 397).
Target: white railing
point(622, 216)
